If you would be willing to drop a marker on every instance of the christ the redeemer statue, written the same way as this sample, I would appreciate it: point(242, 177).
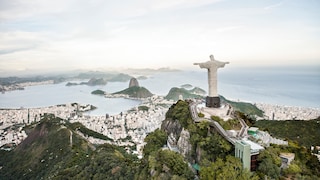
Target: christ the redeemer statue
point(213, 99)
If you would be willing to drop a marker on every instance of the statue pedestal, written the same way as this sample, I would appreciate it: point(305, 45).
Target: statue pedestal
point(213, 102)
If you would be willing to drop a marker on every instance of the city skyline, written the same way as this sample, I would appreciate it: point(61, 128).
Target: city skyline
point(64, 35)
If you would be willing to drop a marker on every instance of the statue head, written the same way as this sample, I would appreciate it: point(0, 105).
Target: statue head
point(211, 57)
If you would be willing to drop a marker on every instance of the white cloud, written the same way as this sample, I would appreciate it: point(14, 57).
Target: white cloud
point(273, 6)
point(91, 34)
point(20, 9)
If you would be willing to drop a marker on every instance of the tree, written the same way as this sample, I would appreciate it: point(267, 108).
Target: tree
point(268, 168)
point(215, 146)
point(155, 141)
point(270, 162)
point(293, 169)
point(174, 161)
point(231, 168)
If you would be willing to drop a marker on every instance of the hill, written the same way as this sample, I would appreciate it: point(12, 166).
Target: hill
point(175, 92)
point(91, 82)
point(306, 133)
point(136, 92)
point(197, 90)
point(210, 154)
point(46, 151)
point(96, 81)
point(120, 78)
point(108, 76)
point(54, 150)
point(244, 107)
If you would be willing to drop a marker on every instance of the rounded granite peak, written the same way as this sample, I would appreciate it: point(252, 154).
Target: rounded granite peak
point(133, 82)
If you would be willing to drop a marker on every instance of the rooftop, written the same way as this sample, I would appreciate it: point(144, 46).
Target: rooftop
point(254, 147)
point(254, 129)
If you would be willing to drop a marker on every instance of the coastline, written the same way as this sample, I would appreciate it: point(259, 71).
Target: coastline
point(21, 86)
point(127, 128)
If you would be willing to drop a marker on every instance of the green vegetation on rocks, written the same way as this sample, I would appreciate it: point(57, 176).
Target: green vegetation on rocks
point(230, 168)
point(198, 91)
point(306, 133)
point(175, 92)
point(45, 153)
point(136, 92)
point(180, 112)
point(98, 92)
point(143, 108)
point(87, 132)
point(155, 141)
point(229, 124)
point(245, 107)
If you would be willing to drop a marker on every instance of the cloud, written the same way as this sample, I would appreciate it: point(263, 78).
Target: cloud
point(9, 51)
point(168, 4)
point(16, 41)
point(273, 6)
point(21, 9)
point(144, 33)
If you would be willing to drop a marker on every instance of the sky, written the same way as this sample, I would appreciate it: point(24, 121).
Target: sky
point(93, 34)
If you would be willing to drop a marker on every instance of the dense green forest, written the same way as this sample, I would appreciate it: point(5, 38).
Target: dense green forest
point(306, 133)
point(247, 108)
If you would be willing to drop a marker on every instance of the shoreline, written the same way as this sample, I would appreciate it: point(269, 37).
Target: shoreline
point(267, 108)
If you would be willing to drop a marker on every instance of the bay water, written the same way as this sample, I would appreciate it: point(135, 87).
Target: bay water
point(298, 86)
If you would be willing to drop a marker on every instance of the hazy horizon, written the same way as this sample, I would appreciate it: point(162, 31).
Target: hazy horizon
point(309, 69)
point(64, 35)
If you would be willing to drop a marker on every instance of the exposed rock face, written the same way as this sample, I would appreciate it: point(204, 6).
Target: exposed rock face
point(179, 138)
point(183, 144)
point(133, 82)
point(173, 127)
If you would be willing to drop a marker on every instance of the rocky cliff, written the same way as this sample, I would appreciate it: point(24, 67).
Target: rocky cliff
point(133, 82)
point(183, 143)
point(197, 142)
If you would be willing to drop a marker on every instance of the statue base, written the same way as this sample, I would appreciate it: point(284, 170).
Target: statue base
point(213, 102)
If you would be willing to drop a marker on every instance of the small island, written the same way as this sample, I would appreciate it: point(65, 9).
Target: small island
point(98, 92)
point(91, 82)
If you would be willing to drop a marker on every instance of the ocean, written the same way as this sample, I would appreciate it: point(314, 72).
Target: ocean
point(281, 86)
